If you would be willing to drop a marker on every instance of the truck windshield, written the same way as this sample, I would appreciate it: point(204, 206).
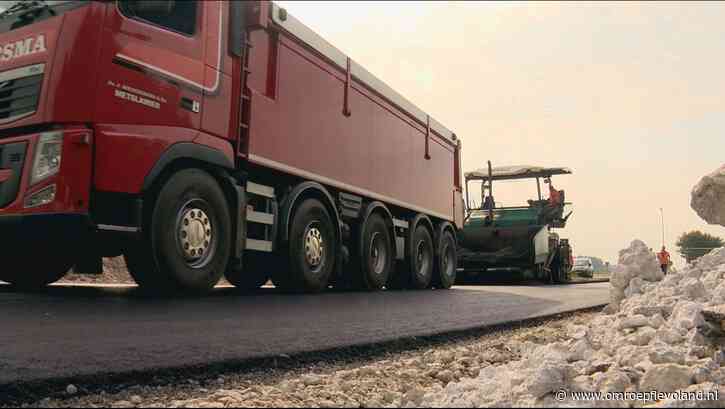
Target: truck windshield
point(16, 14)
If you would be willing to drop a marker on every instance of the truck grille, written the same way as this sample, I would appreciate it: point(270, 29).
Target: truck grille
point(20, 92)
point(12, 157)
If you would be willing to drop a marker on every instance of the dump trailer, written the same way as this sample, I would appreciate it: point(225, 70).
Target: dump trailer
point(202, 139)
point(516, 238)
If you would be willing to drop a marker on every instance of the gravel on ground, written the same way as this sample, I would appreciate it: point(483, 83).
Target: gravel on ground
point(114, 272)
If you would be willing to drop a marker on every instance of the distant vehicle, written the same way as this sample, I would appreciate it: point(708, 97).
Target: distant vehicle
point(583, 266)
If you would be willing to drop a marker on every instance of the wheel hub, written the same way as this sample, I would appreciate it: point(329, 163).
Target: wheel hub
point(448, 264)
point(195, 233)
point(378, 254)
point(314, 247)
point(422, 257)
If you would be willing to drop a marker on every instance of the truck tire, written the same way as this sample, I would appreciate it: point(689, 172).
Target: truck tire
point(446, 263)
point(36, 273)
point(417, 270)
point(255, 272)
point(376, 260)
point(186, 241)
point(311, 250)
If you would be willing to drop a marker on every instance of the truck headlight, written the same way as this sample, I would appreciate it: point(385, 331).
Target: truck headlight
point(47, 156)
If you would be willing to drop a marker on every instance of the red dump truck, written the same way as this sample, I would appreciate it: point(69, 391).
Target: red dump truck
point(207, 138)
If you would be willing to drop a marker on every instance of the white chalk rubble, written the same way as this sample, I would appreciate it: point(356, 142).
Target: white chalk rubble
point(659, 333)
point(708, 197)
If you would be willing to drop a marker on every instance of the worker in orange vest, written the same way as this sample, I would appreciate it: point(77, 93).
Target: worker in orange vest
point(664, 258)
point(554, 195)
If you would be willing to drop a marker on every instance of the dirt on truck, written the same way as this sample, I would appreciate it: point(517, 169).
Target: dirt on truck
point(202, 139)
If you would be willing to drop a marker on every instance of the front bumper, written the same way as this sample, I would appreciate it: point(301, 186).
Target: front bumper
point(32, 234)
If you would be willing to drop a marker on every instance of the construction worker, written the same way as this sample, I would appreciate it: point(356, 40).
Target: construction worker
point(554, 195)
point(488, 201)
point(664, 259)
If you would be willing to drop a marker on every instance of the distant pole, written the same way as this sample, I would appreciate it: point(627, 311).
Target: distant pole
point(662, 219)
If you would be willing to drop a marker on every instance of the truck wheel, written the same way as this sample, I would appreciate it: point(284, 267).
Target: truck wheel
point(35, 273)
point(186, 242)
point(312, 250)
point(255, 272)
point(446, 262)
point(422, 259)
point(417, 271)
point(376, 260)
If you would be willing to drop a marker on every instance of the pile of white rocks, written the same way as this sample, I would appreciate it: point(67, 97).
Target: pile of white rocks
point(708, 197)
point(661, 333)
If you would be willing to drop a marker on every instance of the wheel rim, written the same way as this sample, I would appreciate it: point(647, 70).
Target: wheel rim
point(448, 260)
point(314, 247)
point(422, 259)
point(195, 233)
point(378, 253)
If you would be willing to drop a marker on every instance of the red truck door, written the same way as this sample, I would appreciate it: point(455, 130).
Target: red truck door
point(162, 82)
point(153, 65)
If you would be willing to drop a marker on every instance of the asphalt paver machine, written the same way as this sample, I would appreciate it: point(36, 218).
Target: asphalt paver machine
point(516, 238)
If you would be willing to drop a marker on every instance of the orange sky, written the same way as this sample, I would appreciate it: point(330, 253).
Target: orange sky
point(630, 95)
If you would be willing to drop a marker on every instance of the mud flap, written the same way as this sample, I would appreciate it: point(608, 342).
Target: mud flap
point(240, 232)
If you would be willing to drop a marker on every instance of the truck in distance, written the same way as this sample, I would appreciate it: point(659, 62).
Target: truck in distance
point(207, 138)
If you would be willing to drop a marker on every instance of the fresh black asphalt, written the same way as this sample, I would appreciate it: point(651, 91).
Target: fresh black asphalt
point(67, 331)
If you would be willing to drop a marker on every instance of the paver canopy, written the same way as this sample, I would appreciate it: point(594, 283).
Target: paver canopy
point(516, 172)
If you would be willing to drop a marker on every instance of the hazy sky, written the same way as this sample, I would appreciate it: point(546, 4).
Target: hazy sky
point(629, 95)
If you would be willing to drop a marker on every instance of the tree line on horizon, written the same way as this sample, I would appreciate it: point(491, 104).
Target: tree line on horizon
point(695, 244)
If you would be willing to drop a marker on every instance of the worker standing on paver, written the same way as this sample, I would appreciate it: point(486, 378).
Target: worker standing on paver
point(554, 195)
point(664, 259)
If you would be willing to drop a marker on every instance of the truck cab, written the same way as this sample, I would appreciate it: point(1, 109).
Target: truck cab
point(85, 87)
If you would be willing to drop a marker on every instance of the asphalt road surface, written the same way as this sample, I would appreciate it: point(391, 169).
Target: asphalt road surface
point(68, 331)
